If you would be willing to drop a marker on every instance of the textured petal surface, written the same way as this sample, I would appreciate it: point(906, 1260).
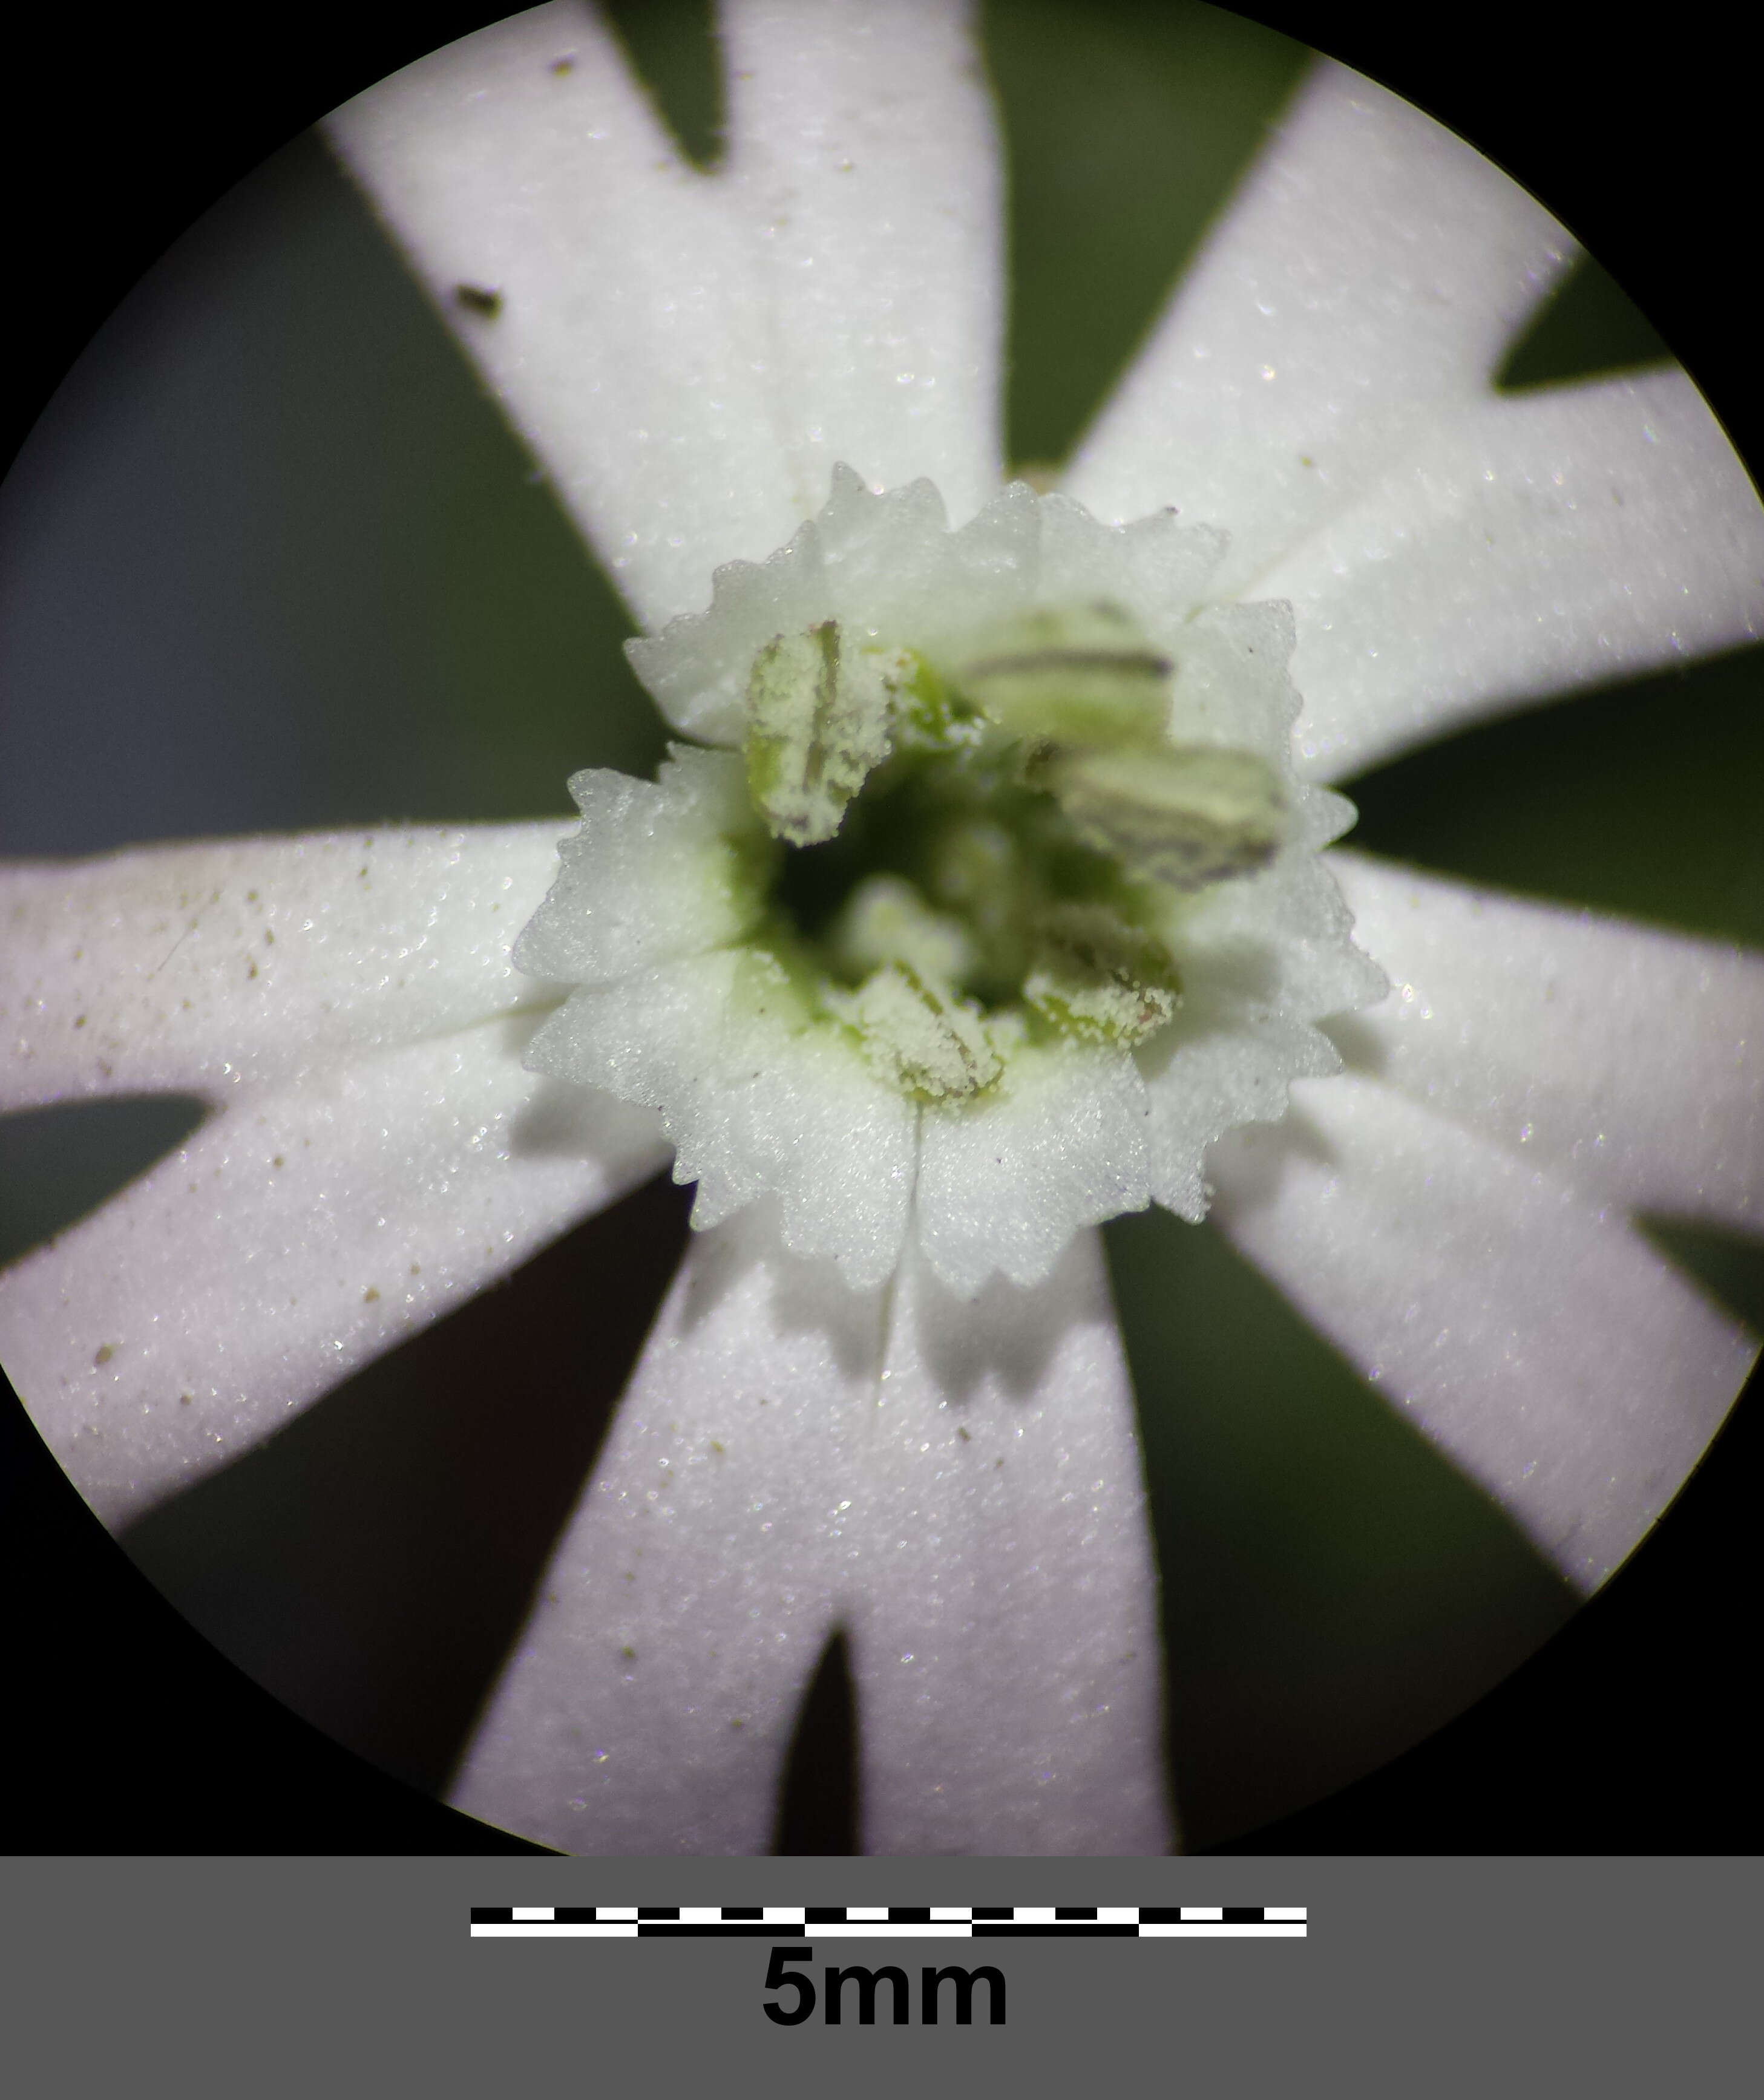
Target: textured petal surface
point(890, 565)
point(1003, 1631)
point(1262, 961)
point(212, 966)
point(298, 1235)
point(654, 873)
point(526, 163)
point(1226, 1062)
point(648, 1704)
point(975, 1519)
point(1536, 1338)
point(1372, 266)
point(1521, 546)
point(1005, 1181)
point(754, 1101)
point(1630, 1060)
point(865, 174)
point(688, 354)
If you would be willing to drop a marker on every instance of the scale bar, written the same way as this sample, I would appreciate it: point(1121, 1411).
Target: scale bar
point(895, 1922)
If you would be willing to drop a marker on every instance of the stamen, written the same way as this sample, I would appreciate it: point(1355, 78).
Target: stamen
point(819, 717)
point(1078, 675)
point(1034, 794)
point(925, 1042)
point(1188, 815)
point(1097, 977)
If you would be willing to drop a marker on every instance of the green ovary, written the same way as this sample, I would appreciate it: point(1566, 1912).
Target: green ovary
point(990, 853)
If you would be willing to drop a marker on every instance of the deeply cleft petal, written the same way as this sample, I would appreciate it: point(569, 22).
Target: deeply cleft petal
point(648, 1704)
point(957, 1486)
point(1537, 1340)
point(687, 354)
point(597, 281)
point(1523, 546)
point(298, 1235)
point(1321, 389)
point(1372, 270)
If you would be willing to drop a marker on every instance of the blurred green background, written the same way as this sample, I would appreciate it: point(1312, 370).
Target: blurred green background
point(272, 562)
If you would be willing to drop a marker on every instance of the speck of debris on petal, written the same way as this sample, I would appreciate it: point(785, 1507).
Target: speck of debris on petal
point(478, 299)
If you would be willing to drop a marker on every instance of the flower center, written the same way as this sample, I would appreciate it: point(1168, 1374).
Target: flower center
point(994, 847)
point(982, 899)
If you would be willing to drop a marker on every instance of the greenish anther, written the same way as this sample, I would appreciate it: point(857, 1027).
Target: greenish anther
point(1074, 676)
point(930, 1044)
point(1185, 815)
point(1097, 976)
point(819, 715)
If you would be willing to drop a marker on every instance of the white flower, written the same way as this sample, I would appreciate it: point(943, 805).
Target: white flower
point(958, 1483)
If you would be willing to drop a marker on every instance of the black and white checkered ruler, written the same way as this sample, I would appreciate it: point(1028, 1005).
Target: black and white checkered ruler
point(891, 1922)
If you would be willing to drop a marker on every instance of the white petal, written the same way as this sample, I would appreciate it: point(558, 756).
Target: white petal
point(866, 175)
point(755, 1494)
point(204, 967)
point(649, 1704)
point(1530, 543)
point(656, 872)
point(627, 350)
point(688, 355)
point(1537, 1340)
point(1630, 1059)
point(1004, 1628)
point(1373, 265)
point(1231, 684)
point(1006, 1180)
point(298, 1235)
point(754, 1102)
